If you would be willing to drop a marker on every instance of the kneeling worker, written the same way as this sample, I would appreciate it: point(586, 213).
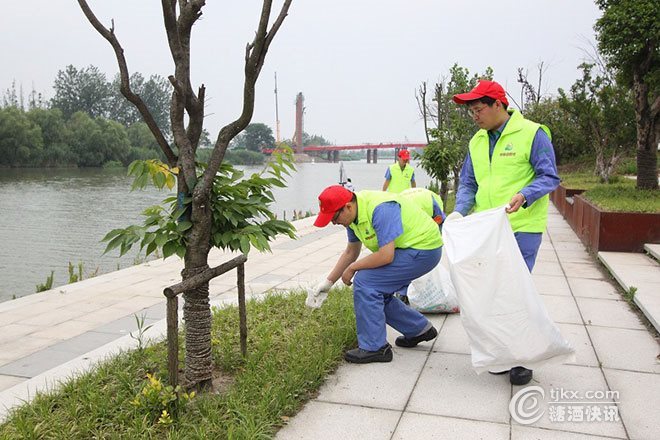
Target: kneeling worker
point(406, 243)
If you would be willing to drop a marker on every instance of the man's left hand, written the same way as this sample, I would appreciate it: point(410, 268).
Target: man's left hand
point(516, 202)
point(347, 276)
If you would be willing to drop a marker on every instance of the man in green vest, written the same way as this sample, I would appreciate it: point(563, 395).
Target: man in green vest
point(510, 162)
point(405, 243)
point(401, 175)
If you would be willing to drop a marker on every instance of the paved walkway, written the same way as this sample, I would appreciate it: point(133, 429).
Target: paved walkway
point(429, 392)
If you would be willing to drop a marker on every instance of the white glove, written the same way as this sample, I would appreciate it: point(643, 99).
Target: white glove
point(317, 295)
point(453, 216)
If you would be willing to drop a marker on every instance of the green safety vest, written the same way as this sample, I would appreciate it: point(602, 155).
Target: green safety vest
point(400, 179)
point(419, 230)
point(509, 171)
point(423, 198)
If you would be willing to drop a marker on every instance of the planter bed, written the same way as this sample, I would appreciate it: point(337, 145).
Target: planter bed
point(604, 230)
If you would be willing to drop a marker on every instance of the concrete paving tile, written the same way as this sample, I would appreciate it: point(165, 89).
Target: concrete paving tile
point(85, 342)
point(563, 236)
point(625, 349)
point(616, 259)
point(331, 421)
point(568, 245)
point(548, 268)
point(639, 401)
point(54, 316)
point(570, 378)
point(449, 387)
point(65, 330)
point(577, 335)
point(103, 316)
point(583, 270)
point(9, 381)
point(562, 309)
point(574, 256)
point(437, 320)
point(293, 284)
point(647, 299)
point(270, 278)
point(551, 285)
point(546, 255)
point(16, 331)
point(123, 326)
point(528, 433)
point(608, 313)
point(37, 363)
point(426, 426)
point(25, 346)
point(452, 337)
point(628, 275)
point(588, 288)
point(15, 316)
point(357, 385)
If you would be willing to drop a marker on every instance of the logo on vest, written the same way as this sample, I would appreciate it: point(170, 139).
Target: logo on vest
point(508, 151)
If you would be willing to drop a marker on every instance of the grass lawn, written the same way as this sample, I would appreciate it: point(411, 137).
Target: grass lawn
point(620, 195)
point(291, 349)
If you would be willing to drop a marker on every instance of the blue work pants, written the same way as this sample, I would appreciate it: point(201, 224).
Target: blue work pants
point(529, 244)
point(375, 304)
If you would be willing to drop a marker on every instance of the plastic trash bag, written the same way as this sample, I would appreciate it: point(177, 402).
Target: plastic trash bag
point(503, 315)
point(433, 292)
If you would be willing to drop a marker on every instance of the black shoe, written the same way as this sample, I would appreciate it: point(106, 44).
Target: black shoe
point(361, 356)
point(428, 335)
point(520, 376)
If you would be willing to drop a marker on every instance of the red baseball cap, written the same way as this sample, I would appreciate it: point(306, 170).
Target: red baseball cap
point(331, 200)
point(404, 154)
point(483, 88)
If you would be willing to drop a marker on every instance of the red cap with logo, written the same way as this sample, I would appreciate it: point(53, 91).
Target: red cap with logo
point(331, 200)
point(483, 88)
point(404, 154)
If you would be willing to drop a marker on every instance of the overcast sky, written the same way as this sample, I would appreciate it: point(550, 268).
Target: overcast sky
point(357, 62)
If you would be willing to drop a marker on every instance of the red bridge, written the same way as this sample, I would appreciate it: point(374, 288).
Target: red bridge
point(372, 149)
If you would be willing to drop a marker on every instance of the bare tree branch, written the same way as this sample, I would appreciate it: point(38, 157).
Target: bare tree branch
point(255, 53)
point(125, 88)
point(423, 109)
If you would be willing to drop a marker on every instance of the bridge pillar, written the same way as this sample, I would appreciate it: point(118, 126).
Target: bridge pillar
point(396, 153)
point(369, 155)
point(335, 156)
point(375, 155)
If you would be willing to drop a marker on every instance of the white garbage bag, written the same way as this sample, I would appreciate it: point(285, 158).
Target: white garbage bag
point(503, 315)
point(433, 292)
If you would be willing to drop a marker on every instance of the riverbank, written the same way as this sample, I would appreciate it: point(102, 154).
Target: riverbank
point(52, 217)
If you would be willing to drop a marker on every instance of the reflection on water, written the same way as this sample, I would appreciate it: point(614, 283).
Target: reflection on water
point(53, 217)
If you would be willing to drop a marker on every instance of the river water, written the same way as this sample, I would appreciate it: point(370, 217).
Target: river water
point(52, 217)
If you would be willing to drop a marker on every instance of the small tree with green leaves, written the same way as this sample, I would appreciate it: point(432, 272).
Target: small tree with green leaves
point(628, 36)
point(603, 111)
point(214, 206)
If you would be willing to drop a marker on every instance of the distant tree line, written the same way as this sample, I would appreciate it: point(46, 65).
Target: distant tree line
point(89, 123)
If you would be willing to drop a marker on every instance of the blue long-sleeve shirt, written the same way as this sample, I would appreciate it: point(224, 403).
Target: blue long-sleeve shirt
point(542, 159)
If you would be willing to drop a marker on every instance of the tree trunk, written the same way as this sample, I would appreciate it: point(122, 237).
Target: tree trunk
point(444, 191)
point(647, 160)
point(197, 318)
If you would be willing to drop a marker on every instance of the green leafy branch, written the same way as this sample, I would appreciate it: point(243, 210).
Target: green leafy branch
point(240, 208)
